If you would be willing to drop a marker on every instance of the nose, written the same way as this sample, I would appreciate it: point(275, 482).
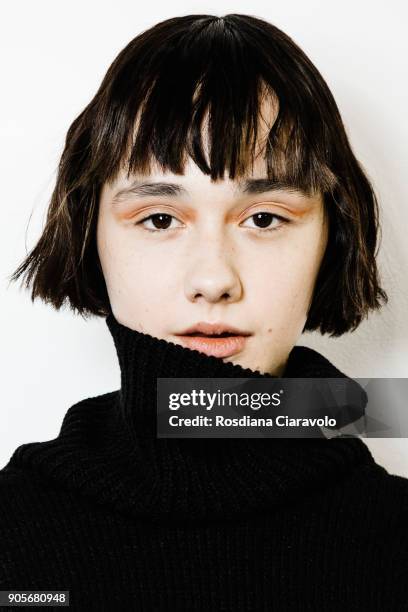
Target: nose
point(211, 273)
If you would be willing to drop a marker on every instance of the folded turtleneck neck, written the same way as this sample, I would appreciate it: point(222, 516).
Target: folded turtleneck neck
point(143, 358)
point(107, 447)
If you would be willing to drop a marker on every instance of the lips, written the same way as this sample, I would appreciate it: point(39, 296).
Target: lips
point(215, 346)
point(210, 329)
point(199, 335)
point(215, 339)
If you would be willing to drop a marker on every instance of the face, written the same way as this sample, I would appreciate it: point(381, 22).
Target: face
point(229, 252)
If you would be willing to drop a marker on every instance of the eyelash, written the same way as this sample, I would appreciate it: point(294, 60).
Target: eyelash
point(283, 220)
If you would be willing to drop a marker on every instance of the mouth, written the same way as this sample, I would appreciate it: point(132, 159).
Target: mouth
point(224, 344)
point(202, 335)
point(218, 339)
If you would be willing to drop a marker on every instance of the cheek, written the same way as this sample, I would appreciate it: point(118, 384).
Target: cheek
point(132, 266)
point(151, 276)
point(283, 281)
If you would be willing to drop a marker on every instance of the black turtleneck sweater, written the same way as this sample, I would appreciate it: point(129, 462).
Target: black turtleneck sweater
point(127, 521)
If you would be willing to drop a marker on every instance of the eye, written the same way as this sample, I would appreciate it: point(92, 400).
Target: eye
point(161, 221)
point(263, 219)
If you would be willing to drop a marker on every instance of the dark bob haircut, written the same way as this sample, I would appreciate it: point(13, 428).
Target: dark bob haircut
point(166, 79)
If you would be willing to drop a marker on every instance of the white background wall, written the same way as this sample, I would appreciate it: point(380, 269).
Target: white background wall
point(53, 57)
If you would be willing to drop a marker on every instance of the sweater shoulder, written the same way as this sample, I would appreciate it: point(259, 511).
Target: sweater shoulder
point(376, 499)
point(22, 477)
point(397, 487)
point(82, 412)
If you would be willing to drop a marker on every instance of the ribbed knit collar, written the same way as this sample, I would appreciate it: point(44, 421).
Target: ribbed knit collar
point(143, 358)
point(107, 448)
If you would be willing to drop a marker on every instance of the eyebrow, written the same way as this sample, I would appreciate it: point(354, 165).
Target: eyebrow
point(248, 187)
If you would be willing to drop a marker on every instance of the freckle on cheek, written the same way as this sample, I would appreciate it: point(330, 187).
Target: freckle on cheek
point(269, 329)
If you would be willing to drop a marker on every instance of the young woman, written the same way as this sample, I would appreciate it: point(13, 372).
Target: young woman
point(208, 186)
